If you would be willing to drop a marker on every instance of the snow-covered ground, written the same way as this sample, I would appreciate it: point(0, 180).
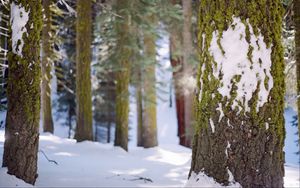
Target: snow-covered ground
point(92, 164)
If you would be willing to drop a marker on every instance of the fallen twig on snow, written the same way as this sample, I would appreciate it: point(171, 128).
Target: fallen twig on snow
point(53, 161)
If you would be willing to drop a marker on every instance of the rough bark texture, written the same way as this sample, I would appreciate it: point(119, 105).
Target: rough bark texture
point(23, 94)
point(188, 70)
point(255, 155)
point(296, 6)
point(46, 70)
point(84, 123)
point(123, 75)
point(149, 130)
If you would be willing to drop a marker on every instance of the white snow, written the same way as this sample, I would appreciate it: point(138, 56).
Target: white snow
point(235, 62)
point(212, 125)
point(18, 20)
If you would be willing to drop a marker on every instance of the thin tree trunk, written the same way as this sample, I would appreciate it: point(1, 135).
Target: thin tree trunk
point(139, 109)
point(187, 70)
point(23, 113)
point(84, 126)
point(46, 70)
point(296, 7)
point(176, 59)
point(149, 130)
point(123, 75)
point(240, 122)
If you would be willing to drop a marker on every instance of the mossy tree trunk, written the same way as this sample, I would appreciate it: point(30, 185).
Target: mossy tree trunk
point(149, 128)
point(187, 47)
point(84, 122)
point(296, 6)
point(123, 74)
point(240, 124)
point(23, 91)
point(46, 69)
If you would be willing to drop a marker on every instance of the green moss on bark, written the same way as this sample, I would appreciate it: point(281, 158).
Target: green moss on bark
point(123, 74)
point(84, 122)
point(265, 18)
point(23, 94)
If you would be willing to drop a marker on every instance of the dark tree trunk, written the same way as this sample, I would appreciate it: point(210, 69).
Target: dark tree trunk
point(139, 109)
point(237, 134)
point(23, 93)
point(46, 69)
point(84, 123)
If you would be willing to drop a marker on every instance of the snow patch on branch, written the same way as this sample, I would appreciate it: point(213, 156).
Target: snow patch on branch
point(235, 62)
point(18, 20)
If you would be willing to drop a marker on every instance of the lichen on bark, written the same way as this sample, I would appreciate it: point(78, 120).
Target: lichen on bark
point(23, 94)
point(255, 156)
point(84, 121)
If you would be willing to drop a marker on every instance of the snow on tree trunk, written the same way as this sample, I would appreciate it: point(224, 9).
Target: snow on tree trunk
point(123, 74)
point(23, 91)
point(239, 112)
point(84, 129)
point(46, 70)
point(149, 128)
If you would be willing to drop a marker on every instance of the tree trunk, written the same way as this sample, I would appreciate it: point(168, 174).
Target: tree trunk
point(176, 62)
point(188, 71)
point(23, 91)
point(296, 6)
point(46, 70)
point(149, 130)
point(84, 124)
point(122, 75)
point(240, 124)
point(139, 108)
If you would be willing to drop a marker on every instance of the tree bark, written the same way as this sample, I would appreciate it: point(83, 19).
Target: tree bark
point(46, 70)
point(149, 130)
point(296, 7)
point(237, 134)
point(122, 75)
point(23, 93)
point(84, 124)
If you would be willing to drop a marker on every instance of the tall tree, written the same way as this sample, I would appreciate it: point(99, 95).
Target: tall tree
point(296, 6)
point(149, 127)
point(240, 101)
point(23, 90)
point(46, 69)
point(123, 73)
point(188, 73)
point(84, 129)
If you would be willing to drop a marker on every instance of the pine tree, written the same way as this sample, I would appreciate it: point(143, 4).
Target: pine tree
point(240, 100)
point(149, 127)
point(84, 129)
point(188, 73)
point(46, 69)
point(123, 74)
point(23, 91)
